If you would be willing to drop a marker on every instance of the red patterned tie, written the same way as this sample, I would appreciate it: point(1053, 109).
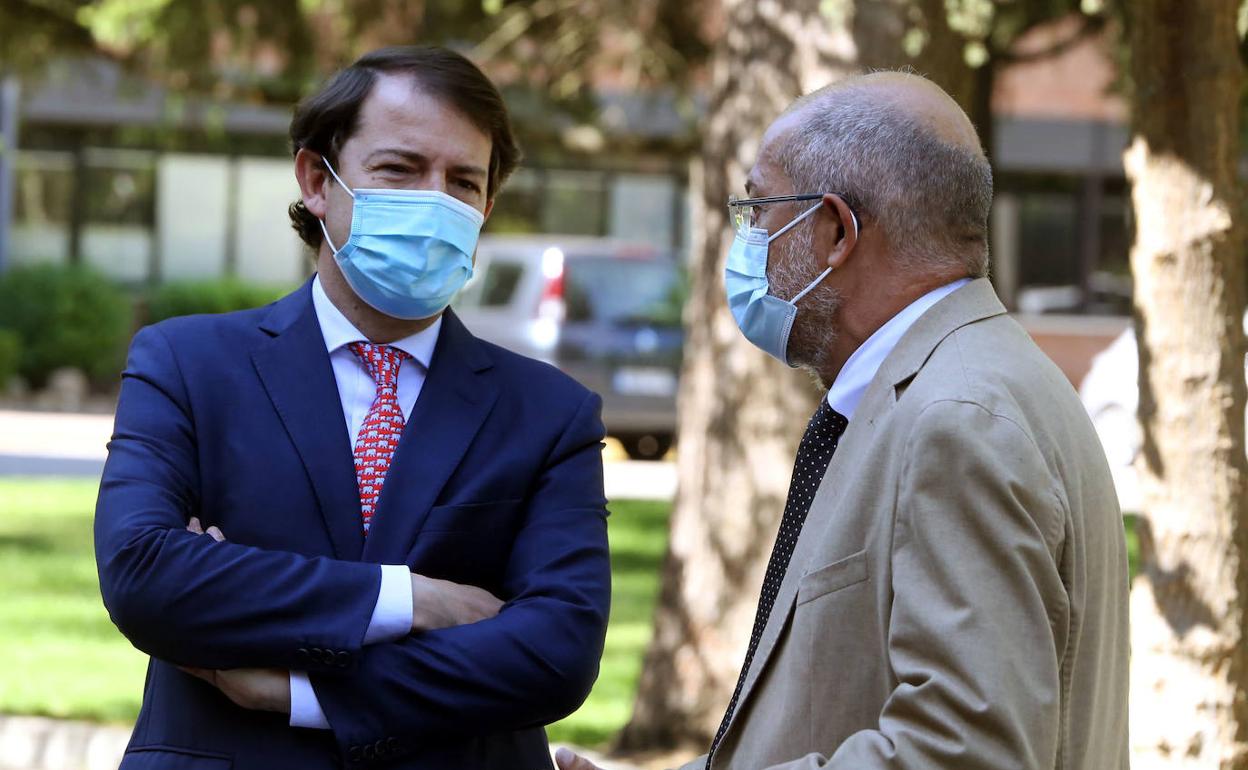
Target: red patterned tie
point(379, 435)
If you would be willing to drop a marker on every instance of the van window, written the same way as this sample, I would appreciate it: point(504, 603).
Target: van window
point(494, 287)
point(624, 291)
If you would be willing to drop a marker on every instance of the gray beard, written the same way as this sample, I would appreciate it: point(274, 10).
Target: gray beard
point(788, 273)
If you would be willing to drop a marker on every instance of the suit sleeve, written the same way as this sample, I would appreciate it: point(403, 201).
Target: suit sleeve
point(979, 607)
point(533, 663)
point(186, 598)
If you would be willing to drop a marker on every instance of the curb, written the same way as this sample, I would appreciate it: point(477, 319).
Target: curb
point(42, 743)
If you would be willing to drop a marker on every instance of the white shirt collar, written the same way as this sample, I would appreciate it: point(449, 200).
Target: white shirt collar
point(851, 384)
point(338, 331)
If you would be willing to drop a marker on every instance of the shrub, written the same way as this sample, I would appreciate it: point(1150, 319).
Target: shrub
point(65, 316)
point(212, 296)
point(10, 351)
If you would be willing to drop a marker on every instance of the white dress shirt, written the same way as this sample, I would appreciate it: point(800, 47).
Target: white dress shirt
point(392, 615)
point(850, 385)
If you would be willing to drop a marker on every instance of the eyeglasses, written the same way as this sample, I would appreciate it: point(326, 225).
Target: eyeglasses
point(744, 213)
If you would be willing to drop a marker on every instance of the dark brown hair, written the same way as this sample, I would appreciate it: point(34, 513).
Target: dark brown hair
point(324, 121)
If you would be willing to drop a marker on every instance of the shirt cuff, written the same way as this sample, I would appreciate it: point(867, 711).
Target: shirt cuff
point(392, 617)
point(305, 708)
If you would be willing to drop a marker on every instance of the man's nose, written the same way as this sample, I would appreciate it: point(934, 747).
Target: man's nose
point(433, 180)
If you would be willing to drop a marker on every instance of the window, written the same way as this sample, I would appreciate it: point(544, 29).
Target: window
point(625, 291)
point(495, 287)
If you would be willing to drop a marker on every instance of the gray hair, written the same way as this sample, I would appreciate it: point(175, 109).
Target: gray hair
point(931, 197)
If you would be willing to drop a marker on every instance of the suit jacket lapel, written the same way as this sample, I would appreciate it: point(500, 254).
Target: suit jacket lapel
point(295, 369)
point(971, 303)
point(457, 396)
point(857, 434)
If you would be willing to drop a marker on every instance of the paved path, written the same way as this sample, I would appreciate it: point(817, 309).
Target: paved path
point(52, 444)
point(38, 743)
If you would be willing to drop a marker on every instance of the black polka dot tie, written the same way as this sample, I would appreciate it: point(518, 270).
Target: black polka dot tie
point(813, 455)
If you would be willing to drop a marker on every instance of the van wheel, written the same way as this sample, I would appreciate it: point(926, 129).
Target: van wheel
point(646, 446)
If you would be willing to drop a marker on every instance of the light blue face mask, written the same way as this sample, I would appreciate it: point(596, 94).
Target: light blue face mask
point(765, 320)
point(409, 251)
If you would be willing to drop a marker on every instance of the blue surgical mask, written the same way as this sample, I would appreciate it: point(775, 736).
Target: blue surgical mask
point(409, 251)
point(765, 320)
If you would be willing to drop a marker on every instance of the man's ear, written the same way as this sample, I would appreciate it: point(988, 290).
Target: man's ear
point(489, 206)
point(836, 232)
point(313, 178)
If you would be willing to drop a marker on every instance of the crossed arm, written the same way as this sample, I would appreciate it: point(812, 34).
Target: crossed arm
point(435, 604)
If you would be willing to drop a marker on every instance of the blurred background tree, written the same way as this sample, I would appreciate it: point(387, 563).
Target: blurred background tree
point(32, 32)
point(1189, 607)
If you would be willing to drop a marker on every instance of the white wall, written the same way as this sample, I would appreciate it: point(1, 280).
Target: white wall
point(643, 207)
point(268, 250)
point(191, 207)
point(122, 252)
point(32, 244)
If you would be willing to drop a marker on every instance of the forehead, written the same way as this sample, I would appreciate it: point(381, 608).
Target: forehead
point(399, 113)
point(767, 177)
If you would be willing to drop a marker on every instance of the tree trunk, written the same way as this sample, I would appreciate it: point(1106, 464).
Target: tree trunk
point(1189, 683)
point(741, 413)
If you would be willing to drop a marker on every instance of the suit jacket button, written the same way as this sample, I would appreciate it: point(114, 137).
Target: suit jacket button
point(370, 752)
point(318, 655)
point(393, 745)
point(301, 655)
point(380, 748)
point(342, 659)
point(355, 754)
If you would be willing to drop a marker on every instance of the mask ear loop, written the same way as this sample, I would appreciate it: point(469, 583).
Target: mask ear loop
point(794, 222)
point(328, 240)
point(337, 178)
point(342, 184)
point(853, 217)
point(811, 287)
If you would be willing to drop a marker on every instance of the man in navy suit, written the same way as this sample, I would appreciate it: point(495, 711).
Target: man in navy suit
point(348, 532)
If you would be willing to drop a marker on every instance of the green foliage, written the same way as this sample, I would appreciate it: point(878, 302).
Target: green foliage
point(1130, 523)
point(65, 316)
point(215, 296)
point(10, 352)
point(31, 32)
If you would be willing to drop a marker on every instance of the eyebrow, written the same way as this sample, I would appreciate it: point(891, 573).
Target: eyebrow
point(414, 157)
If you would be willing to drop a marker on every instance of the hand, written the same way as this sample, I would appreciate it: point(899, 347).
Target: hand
point(442, 604)
point(198, 529)
point(570, 761)
point(256, 689)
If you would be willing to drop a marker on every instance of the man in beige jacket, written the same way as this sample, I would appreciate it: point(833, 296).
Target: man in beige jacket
point(949, 585)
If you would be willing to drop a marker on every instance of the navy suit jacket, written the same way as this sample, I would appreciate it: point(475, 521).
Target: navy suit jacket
point(496, 482)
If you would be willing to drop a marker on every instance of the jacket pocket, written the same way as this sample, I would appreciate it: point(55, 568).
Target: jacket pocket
point(833, 577)
point(172, 758)
point(470, 517)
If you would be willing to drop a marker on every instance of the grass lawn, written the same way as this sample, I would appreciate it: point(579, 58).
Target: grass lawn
point(64, 658)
